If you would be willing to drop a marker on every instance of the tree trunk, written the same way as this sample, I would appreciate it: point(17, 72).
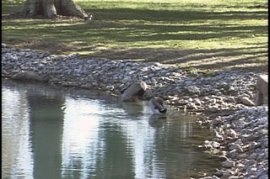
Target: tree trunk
point(52, 8)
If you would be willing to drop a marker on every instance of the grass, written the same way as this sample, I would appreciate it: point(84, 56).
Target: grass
point(207, 35)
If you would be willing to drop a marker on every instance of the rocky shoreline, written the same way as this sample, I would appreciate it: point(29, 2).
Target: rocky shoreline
point(222, 91)
point(241, 136)
point(242, 141)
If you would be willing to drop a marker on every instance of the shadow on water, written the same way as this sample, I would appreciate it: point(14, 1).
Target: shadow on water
point(55, 132)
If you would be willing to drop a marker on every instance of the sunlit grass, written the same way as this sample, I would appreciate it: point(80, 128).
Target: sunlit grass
point(151, 30)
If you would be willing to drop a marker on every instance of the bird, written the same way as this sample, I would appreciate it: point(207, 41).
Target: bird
point(157, 105)
point(137, 90)
point(134, 91)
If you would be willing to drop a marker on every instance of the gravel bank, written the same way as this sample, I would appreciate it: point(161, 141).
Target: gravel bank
point(242, 140)
point(219, 92)
point(241, 137)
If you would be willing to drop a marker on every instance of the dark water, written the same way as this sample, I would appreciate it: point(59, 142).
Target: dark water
point(52, 133)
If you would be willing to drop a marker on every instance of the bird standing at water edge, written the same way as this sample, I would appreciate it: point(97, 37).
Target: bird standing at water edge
point(157, 105)
point(134, 91)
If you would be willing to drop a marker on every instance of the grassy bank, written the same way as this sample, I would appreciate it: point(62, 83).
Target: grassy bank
point(196, 35)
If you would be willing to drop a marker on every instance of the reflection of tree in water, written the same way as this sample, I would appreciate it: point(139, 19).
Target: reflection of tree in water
point(116, 161)
point(46, 118)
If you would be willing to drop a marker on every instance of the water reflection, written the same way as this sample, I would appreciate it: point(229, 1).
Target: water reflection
point(17, 156)
point(79, 144)
point(132, 109)
point(46, 117)
point(157, 120)
point(71, 133)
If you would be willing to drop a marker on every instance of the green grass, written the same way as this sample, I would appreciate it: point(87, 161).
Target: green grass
point(206, 35)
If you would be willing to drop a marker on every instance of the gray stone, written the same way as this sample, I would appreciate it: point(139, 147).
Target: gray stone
point(245, 100)
point(228, 163)
point(193, 89)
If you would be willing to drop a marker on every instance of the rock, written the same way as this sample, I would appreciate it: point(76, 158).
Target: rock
point(182, 102)
point(193, 89)
point(237, 147)
point(233, 153)
point(215, 144)
point(231, 133)
point(231, 99)
point(228, 163)
point(217, 122)
point(197, 101)
point(227, 173)
point(263, 176)
point(219, 173)
point(213, 108)
point(246, 101)
point(191, 105)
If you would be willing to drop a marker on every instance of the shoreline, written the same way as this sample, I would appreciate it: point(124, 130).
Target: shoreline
point(223, 91)
point(226, 97)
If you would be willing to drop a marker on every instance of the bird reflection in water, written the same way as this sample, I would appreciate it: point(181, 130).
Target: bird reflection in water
point(157, 120)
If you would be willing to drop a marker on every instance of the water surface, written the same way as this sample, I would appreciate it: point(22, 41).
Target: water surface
point(52, 133)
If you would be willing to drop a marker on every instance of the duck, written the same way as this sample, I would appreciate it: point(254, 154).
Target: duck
point(157, 105)
point(134, 91)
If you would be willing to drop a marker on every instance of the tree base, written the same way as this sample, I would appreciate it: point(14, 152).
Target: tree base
point(52, 9)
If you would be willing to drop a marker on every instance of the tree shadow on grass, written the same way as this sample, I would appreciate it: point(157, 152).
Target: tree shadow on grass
point(250, 58)
point(134, 27)
point(175, 15)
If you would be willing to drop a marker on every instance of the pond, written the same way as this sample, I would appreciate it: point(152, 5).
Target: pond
point(55, 132)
